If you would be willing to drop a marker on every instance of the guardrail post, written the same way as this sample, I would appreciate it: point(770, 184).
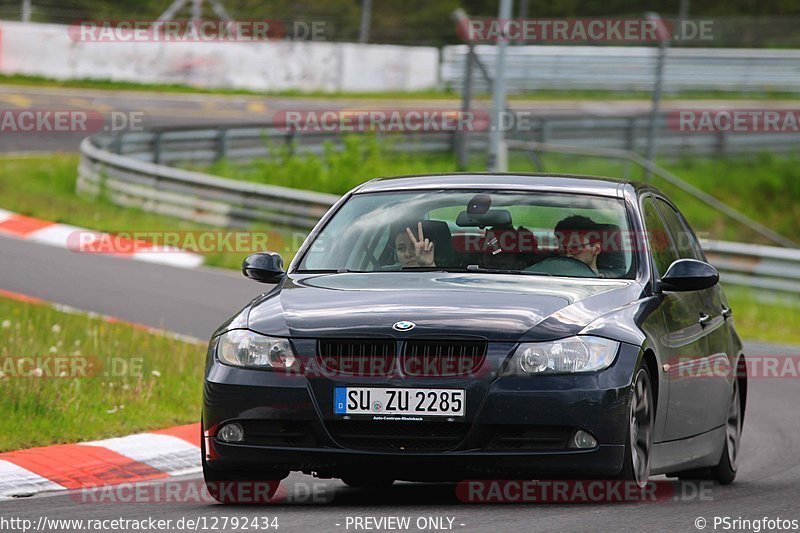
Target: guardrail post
point(722, 139)
point(545, 131)
point(157, 148)
point(630, 145)
point(116, 143)
point(222, 142)
point(630, 135)
point(289, 140)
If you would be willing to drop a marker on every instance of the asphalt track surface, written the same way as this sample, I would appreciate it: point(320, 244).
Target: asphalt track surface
point(186, 109)
point(193, 302)
point(189, 302)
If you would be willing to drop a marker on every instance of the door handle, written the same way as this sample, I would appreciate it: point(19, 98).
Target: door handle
point(726, 312)
point(704, 319)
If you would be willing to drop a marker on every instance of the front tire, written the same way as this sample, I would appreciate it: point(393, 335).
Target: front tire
point(639, 442)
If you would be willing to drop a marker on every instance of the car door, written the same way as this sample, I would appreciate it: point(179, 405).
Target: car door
point(683, 344)
point(715, 372)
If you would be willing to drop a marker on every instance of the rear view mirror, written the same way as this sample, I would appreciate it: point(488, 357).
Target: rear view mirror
point(689, 275)
point(492, 217)
point(266, 267)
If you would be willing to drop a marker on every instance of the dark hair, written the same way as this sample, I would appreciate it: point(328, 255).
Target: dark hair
point(582, 224)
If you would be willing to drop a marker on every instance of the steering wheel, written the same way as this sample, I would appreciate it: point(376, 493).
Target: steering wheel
point(561, 265)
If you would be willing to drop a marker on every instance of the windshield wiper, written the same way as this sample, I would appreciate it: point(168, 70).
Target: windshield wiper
point(477, 268)
point(470, 268)
point(328, 271)
point(428, 269)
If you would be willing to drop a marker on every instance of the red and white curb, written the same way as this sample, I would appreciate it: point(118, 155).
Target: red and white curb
point(141, 457)
point(60, 235)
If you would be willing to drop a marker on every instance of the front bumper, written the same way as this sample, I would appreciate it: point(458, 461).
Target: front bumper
point(514, 426)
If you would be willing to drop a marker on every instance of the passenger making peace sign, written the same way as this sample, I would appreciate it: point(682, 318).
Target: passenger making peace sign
point(414, 251)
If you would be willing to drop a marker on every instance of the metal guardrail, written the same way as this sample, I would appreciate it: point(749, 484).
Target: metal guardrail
point(630, 133)
point(131, 182)
point(755, 266)
point(134, 169)
point(138, 176)
point(630, 68)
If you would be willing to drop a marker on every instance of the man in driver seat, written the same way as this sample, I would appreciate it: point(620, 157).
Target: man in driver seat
point(580, 238)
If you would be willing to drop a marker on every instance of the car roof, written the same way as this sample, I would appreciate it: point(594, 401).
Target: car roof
point(564, 183)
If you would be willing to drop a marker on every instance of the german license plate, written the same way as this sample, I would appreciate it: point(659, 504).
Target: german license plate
point(387, 401)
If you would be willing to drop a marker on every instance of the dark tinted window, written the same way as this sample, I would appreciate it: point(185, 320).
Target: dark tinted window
point(684, 240)
point(498, 230)
point(660, 246)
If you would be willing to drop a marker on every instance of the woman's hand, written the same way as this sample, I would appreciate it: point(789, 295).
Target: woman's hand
point(423, 248)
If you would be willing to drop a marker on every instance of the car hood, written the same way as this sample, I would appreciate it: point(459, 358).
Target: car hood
point(497, 307)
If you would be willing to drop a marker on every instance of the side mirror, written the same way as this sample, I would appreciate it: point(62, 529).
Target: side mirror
point(689, 275)
point(266, 267)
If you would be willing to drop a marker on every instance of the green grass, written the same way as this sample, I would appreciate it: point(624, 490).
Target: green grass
point(44, 187)
point(429, 94)
point(139, 380)
point(769, 321)
point(335, 171)
point(764, 187)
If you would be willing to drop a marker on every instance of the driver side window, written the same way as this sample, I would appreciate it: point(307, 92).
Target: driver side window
point(661, 246)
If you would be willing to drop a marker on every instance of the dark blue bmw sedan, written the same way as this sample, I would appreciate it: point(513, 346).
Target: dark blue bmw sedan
point(469, 326)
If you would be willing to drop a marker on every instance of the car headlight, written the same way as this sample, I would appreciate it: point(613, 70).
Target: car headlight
point(574, 354)
point(241, 347)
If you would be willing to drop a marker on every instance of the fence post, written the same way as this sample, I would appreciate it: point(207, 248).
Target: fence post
point(663, 41)
point(462, 142)
point(498, 151)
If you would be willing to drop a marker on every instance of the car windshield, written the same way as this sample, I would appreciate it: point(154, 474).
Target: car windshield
point(484, 231)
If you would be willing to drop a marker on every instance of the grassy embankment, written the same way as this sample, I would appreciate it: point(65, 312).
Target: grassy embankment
point(69, 377)
point(764, 187)
point(44, 187)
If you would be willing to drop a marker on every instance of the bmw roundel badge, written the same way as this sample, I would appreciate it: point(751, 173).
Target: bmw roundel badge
point(403, 325)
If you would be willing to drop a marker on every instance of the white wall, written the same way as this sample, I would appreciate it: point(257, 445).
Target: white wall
point(630, 68)
point(47, 50)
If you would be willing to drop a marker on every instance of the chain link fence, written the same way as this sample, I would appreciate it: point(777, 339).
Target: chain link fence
point(410, 22)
